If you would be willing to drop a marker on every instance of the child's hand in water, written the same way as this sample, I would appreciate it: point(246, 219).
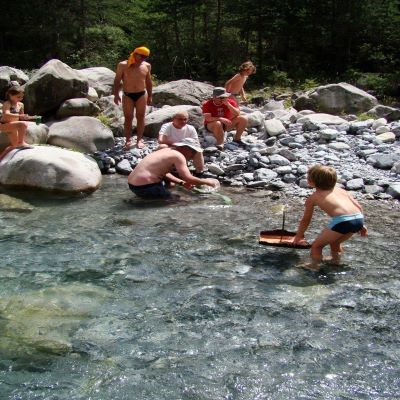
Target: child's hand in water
point(363, 231)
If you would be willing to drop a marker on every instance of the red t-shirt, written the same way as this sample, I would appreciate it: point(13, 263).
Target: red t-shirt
point(221, 111)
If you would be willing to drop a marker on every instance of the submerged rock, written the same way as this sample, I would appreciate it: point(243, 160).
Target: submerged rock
point(9, 203)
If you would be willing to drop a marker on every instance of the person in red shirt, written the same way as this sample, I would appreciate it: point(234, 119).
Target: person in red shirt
point(221, 113)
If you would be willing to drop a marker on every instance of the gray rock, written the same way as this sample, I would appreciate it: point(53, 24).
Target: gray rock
point(86, 134)
point(216, 169)
point(264, 174)
point(339, 146)
point(274, 127)
point(77, 107)
point(336, 99)
point(383, 161)
point(51, 85)
point(51, 169)
point(387, 137)
point(277, 159)
point(394, 190)
point(328, 134)
point(9, 74)
point(124, 167)
point(100, 78)
point(181, 92)
point(373, 189)
point(355, 184)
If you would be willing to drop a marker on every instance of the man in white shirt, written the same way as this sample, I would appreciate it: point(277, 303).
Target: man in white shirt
point(178, 130)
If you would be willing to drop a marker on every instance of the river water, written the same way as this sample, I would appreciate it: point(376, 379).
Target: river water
point(105, 297)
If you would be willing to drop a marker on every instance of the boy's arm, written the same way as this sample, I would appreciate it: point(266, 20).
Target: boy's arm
point(243, 94)
point(305, 220)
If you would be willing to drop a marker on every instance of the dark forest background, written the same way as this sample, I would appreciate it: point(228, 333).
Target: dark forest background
point(294, 43)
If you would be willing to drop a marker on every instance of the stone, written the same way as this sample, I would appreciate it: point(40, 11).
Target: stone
point(86, 134)
point(274, 127)
point(51, 169)
point(355, 184)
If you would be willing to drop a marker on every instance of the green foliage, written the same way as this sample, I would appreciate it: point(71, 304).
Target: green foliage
point(207, 40)
point(103, 46)
point(381, 84)
point(309, 84)
point(104, 119)
point(364, 117)
point(280, 78)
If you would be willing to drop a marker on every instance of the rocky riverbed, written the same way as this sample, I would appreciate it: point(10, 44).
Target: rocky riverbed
point(276, 157)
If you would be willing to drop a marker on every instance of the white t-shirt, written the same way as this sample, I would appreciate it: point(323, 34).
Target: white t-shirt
point(175, 135)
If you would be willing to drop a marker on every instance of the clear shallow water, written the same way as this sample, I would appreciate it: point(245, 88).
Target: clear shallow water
point(104, 299)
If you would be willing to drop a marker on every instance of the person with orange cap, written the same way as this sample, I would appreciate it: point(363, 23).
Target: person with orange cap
point(134, 76)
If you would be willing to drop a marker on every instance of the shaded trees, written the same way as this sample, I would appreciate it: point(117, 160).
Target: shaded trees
point(208, 39)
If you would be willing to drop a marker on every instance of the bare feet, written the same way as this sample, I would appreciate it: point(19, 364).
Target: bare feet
point(24, 145)
point(128, 144)
point(312, 265)
point(140, 144)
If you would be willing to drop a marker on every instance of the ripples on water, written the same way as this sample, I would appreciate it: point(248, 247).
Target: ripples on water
point(104, 299)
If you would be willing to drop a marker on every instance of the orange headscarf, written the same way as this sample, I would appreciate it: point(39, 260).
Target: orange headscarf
point(144, 51)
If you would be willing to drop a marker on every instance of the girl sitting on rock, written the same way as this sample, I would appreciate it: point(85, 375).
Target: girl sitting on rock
point(13, 119)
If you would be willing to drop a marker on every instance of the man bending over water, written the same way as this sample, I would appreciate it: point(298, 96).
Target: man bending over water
point(150, 177)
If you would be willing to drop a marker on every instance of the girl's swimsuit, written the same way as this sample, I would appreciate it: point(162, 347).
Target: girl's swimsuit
point(344, 224)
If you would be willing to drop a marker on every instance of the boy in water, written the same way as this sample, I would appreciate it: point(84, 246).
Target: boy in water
point(346, 213)
point(137, 84)
point(236, 83)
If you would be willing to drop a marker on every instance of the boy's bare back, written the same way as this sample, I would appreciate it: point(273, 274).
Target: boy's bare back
point(235, 84)
point(335, 202)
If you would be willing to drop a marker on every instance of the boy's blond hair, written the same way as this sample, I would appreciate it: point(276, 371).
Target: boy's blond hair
point(247, 65)
point(322, 176)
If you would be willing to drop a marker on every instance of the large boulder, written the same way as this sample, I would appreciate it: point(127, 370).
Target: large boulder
point(77, 107)
point(100, 78)
point(35, 134)
point(51, 85)
point(51, 169)
point(336, 99)
point(183, 91)
point(86, 134)
point(9, 74)
point(154, 120)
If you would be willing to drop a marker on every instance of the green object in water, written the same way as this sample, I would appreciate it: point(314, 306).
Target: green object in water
point(227, 200)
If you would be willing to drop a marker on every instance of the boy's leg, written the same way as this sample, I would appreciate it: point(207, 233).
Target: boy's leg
point(336, 247)
point(128, 109)
point(327, 236)
point(140, 106)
